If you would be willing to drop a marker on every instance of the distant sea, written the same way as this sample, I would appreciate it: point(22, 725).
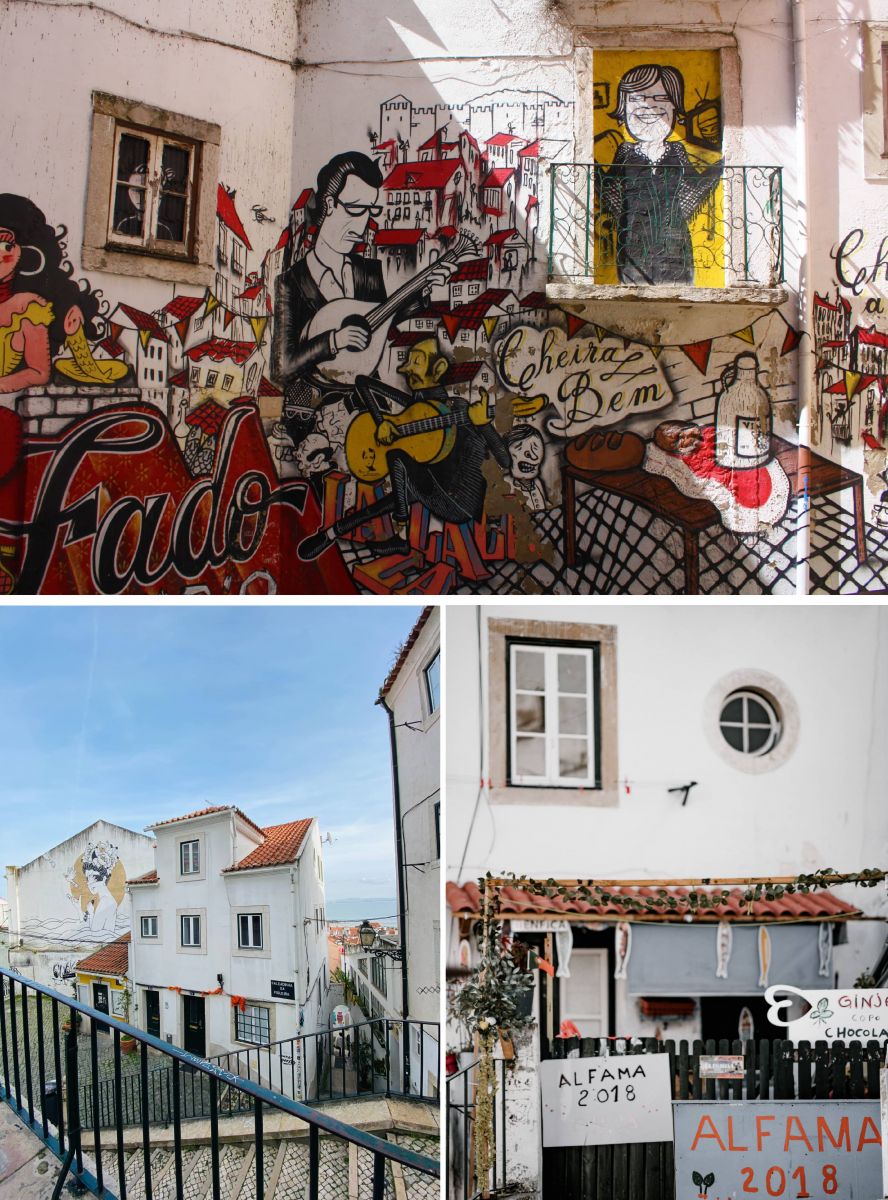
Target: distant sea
point(383, 910)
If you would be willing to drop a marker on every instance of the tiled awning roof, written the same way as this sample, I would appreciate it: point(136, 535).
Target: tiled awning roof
point(465, 901)
point(112, 959)
point(148, 877)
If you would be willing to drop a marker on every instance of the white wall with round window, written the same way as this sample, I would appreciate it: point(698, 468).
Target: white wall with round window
point(751, 721)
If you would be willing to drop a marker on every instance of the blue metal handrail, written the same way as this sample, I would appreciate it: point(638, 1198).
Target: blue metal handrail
point(66, 1141)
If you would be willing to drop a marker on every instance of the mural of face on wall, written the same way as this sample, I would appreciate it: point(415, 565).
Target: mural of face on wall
point(96, 885)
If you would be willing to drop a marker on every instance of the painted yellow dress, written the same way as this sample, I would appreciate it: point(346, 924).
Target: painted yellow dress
point(37, 313)
point(82, 367)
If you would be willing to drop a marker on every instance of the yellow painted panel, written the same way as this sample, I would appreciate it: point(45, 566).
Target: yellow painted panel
point(654, 225)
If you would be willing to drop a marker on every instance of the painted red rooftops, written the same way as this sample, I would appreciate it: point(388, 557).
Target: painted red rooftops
point(112, 959)
point(432, 175)
point(221, 348)
point(465, 900)
point(143, 321)
point(399, 237)
point(227, 214)
point(183, 307)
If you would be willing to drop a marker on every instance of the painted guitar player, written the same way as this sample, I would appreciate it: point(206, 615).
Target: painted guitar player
point(332, 316)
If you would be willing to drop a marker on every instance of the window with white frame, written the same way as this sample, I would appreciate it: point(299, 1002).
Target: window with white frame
point(151, 192)
point(253, 1024)
point(189, 858)
point(553, 715)
point(432, 676)
point(249, 931)
point(378, 975)
point(149, 927)
point(189, 930)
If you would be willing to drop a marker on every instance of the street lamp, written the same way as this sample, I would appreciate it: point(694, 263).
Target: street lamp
point(369, 939)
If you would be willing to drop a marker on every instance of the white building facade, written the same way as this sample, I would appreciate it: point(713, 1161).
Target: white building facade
point(72, 899)
point(668, 744)
point(411, 696)
point(229, 943)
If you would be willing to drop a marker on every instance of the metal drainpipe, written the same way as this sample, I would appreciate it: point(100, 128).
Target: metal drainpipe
point(399, 852)
point(804, 229)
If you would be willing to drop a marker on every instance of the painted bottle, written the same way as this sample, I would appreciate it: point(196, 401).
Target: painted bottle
point(742, 417)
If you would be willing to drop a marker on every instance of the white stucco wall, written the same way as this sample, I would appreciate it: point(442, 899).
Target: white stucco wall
point(419, 774)
point(54, 919)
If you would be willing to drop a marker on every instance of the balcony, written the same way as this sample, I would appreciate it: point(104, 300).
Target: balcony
point(135, 1134)
point(681, 234)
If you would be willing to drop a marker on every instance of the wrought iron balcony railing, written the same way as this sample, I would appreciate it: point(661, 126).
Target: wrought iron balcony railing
point(703, 225)
point(371, 1058)
point(37, 1023)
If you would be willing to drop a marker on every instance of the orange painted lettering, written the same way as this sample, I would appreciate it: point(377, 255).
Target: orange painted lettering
point(875, 1140)
point(801, 1136)
point(700, 1135)
point(731, 1145)
point(760, 1132)
point(844, 1139)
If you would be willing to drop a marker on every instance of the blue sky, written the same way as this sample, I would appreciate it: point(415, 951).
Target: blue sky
point(136, 713)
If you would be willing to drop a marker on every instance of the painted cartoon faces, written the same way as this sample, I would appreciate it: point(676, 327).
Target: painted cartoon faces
point(424, 366)
point(10, 254)
point(649, 99)
point(346, 215)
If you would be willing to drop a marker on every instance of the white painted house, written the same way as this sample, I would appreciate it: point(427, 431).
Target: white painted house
point(640, 743)
point(229, 942)
point(72, 899)
point(411, 695)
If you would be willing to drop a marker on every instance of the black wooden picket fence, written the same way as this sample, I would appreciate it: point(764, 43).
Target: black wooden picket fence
point(775, 1070)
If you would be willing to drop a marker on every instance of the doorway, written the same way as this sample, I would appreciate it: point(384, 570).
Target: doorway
point(584, 995)
point(100, 1001)
point(152, 1012)
point(195, 1039)
point(720, 1017)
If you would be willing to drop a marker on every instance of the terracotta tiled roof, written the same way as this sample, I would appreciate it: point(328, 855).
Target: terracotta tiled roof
point(281, 845)
point(405, 650)
point(218, 349)
point(148, 877)
point(112, 959)
point(514, 902)
point(205, 812)
point(227, 214)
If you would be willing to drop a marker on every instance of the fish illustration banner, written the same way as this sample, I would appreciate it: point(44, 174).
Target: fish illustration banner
point(852, 1014)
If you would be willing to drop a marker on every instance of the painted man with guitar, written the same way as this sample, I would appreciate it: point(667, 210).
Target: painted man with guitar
point(432, 452)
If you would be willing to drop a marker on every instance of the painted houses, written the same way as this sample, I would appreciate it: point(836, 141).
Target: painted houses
point(229, 938)
point(73, 898)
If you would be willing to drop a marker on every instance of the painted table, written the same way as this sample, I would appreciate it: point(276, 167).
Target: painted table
point(693, 516)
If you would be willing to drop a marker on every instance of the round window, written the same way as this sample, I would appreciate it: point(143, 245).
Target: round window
point(750, 722)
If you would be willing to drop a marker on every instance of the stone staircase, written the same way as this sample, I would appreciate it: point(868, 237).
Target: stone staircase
point(346, 1171)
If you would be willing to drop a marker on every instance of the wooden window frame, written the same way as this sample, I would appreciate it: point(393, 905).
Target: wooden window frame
point(147, 242)
point(189, 262)
point(501, 631)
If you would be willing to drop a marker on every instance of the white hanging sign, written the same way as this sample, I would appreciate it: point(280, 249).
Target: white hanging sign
point(855, 1014)
point(599, 1101)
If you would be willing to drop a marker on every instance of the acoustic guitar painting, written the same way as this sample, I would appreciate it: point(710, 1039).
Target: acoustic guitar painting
point(375, 318)
point(426, 431)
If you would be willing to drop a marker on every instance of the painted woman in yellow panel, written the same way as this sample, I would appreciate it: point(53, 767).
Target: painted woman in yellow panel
point(42, 307)
point(651, 188)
